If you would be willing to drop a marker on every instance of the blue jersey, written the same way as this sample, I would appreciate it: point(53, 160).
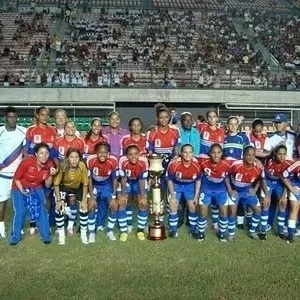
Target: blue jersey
point(234, 145)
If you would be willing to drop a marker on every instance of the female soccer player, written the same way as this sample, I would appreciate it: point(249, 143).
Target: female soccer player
point(272, 174)
point(258, 138)
point(71, 185)
point(245, 179)
point(213, 187)
point(94, 137)
point(291, 180)
point(136, 137)
point(102, 187)
point(28, 193)
point(183, 179)
point(114, 133)
point(133, 170)
point(210, 133)
point(234, 144)
point(42, 132)
point(164, 139)
point(69, 140)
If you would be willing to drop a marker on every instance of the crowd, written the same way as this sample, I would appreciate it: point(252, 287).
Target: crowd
point(96, 177)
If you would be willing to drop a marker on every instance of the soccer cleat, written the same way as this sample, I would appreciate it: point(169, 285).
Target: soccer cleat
point(290, 240)
point(111, 236)
point(141, 236)
point(201, 237)
point(124, 237)
point(92, 237)
point(70, 232)
point(240, 226)
point(223, 238)
point(253, 235)
point(61, 240)
point(231, 238)
point(193, 235)
point(129, 228)
point(173, 235)
point(297, 233)
point(100, 228)
point(84, 239)
point(262, 236)
point(282, 236)
point(3, 235)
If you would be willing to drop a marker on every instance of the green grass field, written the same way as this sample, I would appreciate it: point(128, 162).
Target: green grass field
point(170, 269)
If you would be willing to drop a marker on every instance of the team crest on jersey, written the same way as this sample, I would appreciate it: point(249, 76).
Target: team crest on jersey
point(257, 144)
point(61, 150)
point(172, 142)
point(128, 172)
point(206, 135)
point(178, 174)
point(37, 138)
point(157, 143)
point(238, 177)
point(96, 171)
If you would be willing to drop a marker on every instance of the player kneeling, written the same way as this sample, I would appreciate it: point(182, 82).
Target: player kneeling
point(28, 193)
point(133, 170)
point(213, 188)
point(183, 179)
point(70, 186)
point(102, 185)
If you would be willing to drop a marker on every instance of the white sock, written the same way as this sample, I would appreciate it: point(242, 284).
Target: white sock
point(2, 228)
point(70, 224)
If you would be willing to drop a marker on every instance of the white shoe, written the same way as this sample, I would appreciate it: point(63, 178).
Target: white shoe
point(100, 228)
point(129, 228)
point(61, 240)
point(3, 235)
point(61, 237)
point(111, 236)
point(83, 237)
point(32, 230)
point(92, 238)
point(297, 232)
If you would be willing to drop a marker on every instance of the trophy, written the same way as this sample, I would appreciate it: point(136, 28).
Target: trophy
point(156, 230)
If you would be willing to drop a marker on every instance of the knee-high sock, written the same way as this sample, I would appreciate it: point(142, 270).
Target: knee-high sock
point(254, 222)
point(173, 221)
point(83, 217)
point(122, 219)
point(92, 221)
point(142, 219)
point(231, 225)
point(129, 213)
point(281, 221)
point(193, 217)
point(264, 220)
point(112, 219)
point(292, 228)
point(201, 225)
point(72, 216)
point(223, 224)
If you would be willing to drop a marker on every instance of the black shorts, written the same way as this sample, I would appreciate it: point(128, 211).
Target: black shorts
point(68, 192)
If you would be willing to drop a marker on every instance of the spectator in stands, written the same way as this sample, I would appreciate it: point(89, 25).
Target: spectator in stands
point(131, 80)
point(238, 82)
point(173, 83)
point(6, 79)
point(22, 78)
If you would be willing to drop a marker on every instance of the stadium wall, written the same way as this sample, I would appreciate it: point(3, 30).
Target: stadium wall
point(82, 95)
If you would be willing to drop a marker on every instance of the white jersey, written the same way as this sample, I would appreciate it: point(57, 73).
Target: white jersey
point(11, 146)
point(288, 139)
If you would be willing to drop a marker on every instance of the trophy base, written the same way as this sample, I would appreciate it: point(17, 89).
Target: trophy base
point(156, 232)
